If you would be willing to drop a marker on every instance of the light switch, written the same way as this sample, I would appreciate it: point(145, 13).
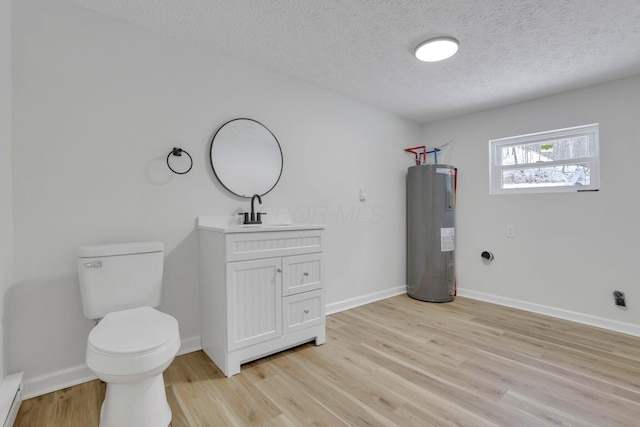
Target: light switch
point(363, 195)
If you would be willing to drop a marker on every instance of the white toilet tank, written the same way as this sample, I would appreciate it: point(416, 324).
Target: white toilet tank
point(119, 276)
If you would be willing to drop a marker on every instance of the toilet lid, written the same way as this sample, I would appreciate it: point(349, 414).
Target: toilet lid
point(136, 330)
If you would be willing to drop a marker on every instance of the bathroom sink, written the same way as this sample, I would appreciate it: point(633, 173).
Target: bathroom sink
point(263, 225)
point(239, 228)
point(226, 224)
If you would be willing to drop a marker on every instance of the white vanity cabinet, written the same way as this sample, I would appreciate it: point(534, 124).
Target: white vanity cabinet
point(260, 291)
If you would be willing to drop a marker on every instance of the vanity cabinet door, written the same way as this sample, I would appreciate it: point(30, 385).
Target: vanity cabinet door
point(301, 273)
point(254, 302)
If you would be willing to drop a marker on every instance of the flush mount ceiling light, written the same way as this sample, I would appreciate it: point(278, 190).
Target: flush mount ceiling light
point(437, 49)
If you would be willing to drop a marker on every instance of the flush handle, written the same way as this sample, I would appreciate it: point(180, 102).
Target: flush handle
point(93, 264)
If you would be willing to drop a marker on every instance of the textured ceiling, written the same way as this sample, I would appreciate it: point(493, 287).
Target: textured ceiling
point(510, 50)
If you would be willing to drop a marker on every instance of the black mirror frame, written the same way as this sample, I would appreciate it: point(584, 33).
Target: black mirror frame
point(214, 169)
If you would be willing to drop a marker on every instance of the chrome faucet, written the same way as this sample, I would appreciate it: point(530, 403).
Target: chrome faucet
point(256, 217)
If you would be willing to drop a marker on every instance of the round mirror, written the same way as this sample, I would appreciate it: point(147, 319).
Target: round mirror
point(246, 157)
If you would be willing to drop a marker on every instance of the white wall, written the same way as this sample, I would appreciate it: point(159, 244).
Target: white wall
point(571, 250)
point(6, 207)
point(99, 104)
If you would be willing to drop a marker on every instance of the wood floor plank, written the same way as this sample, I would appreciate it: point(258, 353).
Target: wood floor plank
point(345, 404)
point(543, 413)
point(402, 362)
point(179, 418)
point(297, 405)
point(482, 405)
point(555, 392)
point(37, 410)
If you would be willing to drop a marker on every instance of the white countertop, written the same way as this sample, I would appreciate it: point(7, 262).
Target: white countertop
point(223, 224)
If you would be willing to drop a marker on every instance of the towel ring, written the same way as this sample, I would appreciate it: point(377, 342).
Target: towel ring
point(178, 153)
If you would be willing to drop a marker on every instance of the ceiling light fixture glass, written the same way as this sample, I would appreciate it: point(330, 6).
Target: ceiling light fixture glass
point(438, 49)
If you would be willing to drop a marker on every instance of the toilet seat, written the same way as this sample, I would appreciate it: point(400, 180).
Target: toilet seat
point(133, 341)
point(133, 331)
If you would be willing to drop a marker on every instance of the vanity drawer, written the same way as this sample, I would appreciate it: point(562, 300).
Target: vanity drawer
point(303, 310)
point(270, 244)
point(301, 273)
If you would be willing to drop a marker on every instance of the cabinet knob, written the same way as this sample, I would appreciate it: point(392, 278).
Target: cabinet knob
point(306, 311)
point(279, 270)
point(305, 273)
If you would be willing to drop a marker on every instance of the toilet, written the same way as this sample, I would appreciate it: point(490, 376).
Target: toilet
point(133, 343)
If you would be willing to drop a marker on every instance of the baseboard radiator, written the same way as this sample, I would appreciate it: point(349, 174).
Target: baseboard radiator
point(10, 398)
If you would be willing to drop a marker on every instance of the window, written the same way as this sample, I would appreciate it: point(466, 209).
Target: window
point(553, 161)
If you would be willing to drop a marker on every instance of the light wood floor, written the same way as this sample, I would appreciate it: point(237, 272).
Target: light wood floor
point(401, 362)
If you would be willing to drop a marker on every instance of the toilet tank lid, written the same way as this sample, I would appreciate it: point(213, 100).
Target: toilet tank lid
point(113, 249)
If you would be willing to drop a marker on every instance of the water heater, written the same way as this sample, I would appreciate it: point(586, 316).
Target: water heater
point(431, 199)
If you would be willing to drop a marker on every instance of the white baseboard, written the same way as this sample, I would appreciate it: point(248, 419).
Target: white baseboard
point(10, 398)
point(80, 374)
point(189, 345)
point(599, 322)
point(64, 378)
point(339, 306)
point(57, 380)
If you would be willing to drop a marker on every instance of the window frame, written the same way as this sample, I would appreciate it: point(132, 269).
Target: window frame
point(496, 184)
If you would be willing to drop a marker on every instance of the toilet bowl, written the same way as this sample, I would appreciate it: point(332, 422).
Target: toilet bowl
point(129, 350)
point(133, 343)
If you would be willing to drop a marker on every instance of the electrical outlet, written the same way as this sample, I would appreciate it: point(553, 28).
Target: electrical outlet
point(619, 298)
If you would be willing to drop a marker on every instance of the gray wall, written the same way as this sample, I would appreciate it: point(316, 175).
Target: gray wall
point(98, 104)
point(6, 200)
point(571, 250)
